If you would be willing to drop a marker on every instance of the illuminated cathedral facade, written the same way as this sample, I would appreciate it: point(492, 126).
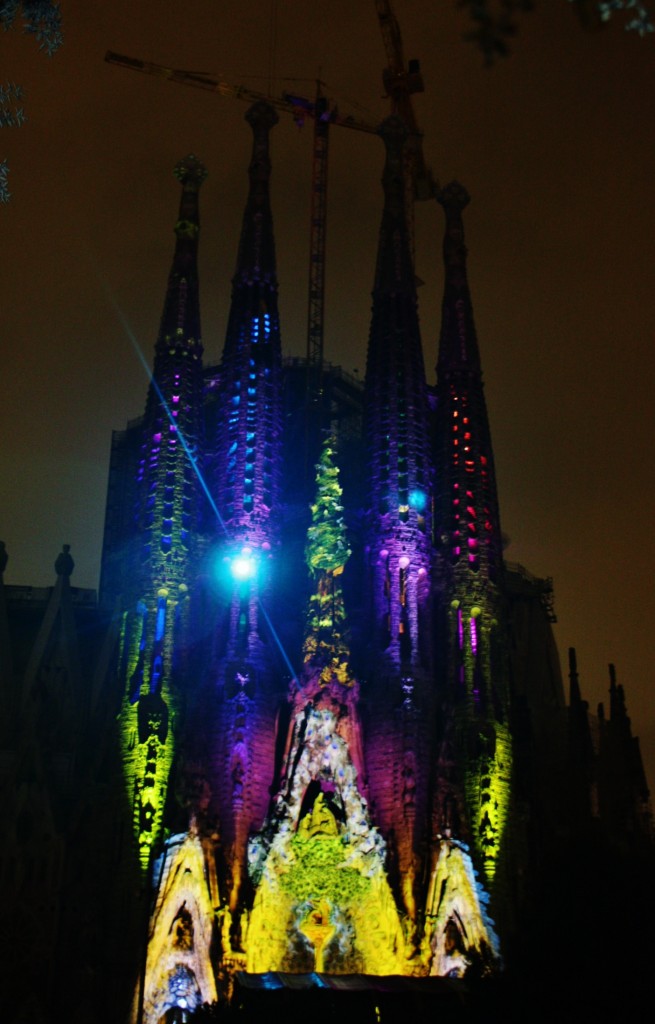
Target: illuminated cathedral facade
point(323, 728)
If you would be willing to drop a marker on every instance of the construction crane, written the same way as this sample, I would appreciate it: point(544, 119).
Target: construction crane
point(400, 82)
point(324, 115)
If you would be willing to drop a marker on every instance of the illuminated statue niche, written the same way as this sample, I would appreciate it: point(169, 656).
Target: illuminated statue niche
point(179, 975)
point(322, 898)
point(457, 926)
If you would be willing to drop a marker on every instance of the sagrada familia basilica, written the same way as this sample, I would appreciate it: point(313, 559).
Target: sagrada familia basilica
point(313, 725)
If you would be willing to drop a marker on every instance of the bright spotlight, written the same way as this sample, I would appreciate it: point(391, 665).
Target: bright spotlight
point(418, 500)
point(243, 567)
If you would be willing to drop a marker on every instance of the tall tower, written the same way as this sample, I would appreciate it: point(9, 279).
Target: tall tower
point(247, 487)
point(398, 695)
point(161, 570)
point(470, 565)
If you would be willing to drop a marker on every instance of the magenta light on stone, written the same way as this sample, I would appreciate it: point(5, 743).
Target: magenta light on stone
point(474, 636)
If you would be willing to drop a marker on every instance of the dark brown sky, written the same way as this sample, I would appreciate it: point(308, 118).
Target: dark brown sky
point(556, 147)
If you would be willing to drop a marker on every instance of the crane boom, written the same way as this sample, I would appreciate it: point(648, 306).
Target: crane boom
point(298, 106)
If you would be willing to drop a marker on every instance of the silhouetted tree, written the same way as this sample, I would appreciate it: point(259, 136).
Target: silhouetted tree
point(495, 22)
point(41, 19)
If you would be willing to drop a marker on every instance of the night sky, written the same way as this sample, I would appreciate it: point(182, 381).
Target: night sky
point(555, 146)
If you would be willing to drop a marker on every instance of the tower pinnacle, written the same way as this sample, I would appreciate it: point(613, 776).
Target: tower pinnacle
point(394, 271)
point(470, 562)
point(158, 580)
point(468, 506)
point(180, 323)
point(458, 347)
point(190, 172)
point(397, 431)
point(398, 537)
point(256, 258)
point(249, 431)
point(247, 485)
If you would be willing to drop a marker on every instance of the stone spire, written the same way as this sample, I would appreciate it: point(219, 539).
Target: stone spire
point(624, 798)
point(458, 347)
point(247, 486)
point(168, 494)
point(467, 529)
point(256, 258)
point(575, 696)
point(580, 781)
point(250, 417)
point(469, 522)
point(163, 569)
point(400, 697)
point(397, 431)
point(180, 322)
point(394, 272)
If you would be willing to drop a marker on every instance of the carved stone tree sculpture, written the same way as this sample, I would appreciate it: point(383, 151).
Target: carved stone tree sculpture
point(322, 899)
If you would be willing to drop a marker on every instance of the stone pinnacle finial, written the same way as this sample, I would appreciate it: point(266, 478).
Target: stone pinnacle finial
point(393, 132)
point(256, 247)
point(394, 270)
point(190, 172)
point(261, 115)
point(453, 196)
point(64, 564)
point(574, 685)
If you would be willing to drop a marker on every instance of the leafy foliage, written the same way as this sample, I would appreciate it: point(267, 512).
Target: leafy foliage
point(41, 19)
point(11, 116)
point(495, 22)
point(326, 553)
point(319, 871)
point(639, 17)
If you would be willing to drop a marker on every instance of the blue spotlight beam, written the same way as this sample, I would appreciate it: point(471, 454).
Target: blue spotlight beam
point(185, 445)
point(192, 460)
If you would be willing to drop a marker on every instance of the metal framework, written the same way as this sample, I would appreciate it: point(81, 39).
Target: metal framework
point(400, 82)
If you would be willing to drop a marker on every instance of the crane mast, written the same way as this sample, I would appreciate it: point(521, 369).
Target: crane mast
point(401, 80)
